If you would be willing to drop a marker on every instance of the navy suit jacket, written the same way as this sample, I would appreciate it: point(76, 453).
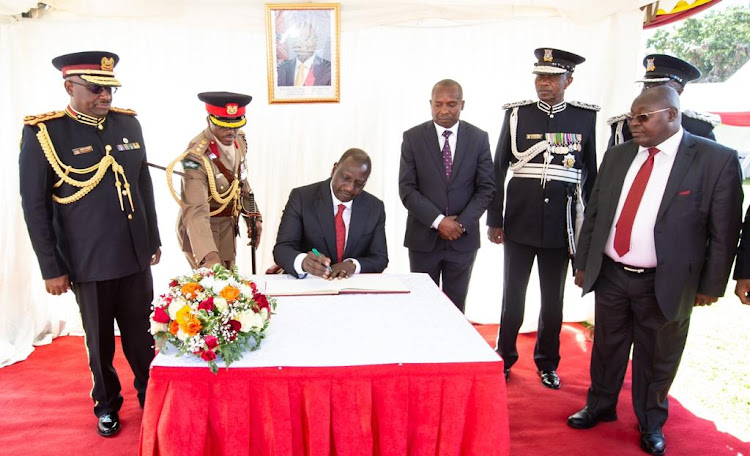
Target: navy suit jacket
point(321, 71)
point(307, 223)
point(697, 225)
point(426, 193)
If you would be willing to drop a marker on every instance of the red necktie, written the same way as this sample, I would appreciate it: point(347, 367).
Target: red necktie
point(338, 221)
point(624, 225)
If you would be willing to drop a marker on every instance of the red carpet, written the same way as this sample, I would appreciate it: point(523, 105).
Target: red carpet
point(45, 410)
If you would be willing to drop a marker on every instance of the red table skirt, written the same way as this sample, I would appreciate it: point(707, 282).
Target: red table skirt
point(411, 409)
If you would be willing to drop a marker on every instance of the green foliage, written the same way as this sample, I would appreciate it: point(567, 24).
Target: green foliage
point(718, 44)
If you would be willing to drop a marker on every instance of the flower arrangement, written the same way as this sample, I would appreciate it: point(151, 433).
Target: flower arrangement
point(209, 313)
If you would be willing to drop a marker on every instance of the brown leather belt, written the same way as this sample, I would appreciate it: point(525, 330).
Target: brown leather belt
point(227, 212)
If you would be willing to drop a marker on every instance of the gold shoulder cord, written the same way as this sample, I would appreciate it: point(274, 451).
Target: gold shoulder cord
point(232, 195)
point(62, 170)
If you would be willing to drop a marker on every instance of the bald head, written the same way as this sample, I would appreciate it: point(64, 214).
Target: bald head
point(655, 116)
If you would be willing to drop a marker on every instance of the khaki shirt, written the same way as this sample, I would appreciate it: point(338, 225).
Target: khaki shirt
point(197, 232)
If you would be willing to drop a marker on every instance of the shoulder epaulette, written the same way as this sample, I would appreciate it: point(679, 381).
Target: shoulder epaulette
point(128, 112)
point(197, 148)
point(589, 106)
point(33, 120)
point(616, 119)
point(713, 119)
point(518, 103)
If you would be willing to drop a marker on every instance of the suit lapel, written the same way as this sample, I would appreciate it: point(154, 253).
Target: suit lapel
point(360, 208)
point(432, 146)
point(462, 145)
point(685, 156)
point(618, 179)
point(324, 209)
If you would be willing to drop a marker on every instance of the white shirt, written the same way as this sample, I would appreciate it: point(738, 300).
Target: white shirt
point(452, 140)
point(642, 251)
point(347, 216)
point(308, 64)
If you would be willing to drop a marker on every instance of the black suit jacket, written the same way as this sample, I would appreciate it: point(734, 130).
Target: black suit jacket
point(696, 228)
point(307, 223)
point(426, 193)
point(321, 71)
point(92, 239)
point(742, 268)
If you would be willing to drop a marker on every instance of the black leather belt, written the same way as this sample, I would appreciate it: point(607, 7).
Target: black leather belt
point(628, 268)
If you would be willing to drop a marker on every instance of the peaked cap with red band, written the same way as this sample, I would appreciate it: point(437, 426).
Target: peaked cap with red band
point(96, 67)
point(226, 109)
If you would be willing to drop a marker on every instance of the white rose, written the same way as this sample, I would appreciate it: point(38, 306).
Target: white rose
point(220, 303)
point(246, 291)
point(207, 283)
point(182, 335)
point(157, 327)
point(219, 285)
point(246, 320)
point(174, 306)
point(264, 313)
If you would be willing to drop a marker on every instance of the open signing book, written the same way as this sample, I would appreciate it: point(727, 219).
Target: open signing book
point(360, 283)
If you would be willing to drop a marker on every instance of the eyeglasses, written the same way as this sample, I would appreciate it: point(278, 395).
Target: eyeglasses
point(95, 89)
point(643, 118)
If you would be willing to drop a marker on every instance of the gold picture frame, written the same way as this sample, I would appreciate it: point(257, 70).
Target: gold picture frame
point(303, 52)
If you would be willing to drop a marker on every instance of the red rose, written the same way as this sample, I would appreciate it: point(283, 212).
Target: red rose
point(253, 287)
point(207, 305)
point(173, 283)
point(208, 355)
point(261, 300)
point(211, 341)
point(161, 315)
point(234, 325)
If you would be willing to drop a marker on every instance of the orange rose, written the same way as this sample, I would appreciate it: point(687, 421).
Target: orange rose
point(230, 293)
point(191, 289)
point(174, 326)
point(192, 326)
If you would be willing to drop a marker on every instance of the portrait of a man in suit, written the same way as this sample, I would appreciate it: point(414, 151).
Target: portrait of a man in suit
point(659, 237)
point(304, 67)
point(333, 228)
point(446, 182)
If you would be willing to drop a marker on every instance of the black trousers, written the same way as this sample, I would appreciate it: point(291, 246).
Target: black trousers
point(455, 268)
point(553, 266)
point(627, 313)
point(128, 300)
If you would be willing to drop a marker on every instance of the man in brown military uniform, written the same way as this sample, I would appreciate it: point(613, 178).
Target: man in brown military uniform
point(215, 189)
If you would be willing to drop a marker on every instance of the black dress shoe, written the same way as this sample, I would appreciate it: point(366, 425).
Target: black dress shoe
point(108, 425)
point(506, 371)
point(653, 442)
point(585, 418)
point(550, 379)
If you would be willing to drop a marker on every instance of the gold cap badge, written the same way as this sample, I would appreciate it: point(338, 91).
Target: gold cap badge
point(548, 55)
point(232, 109)
point(650, 65)
point(108, 64)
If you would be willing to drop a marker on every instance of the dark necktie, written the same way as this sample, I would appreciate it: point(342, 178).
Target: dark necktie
point(624, 225)
point(447, 160)
point(340, 233)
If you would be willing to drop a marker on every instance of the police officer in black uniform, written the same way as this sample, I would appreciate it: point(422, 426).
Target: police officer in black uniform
point(662, 69)
point(89, 207)
point(550, 146)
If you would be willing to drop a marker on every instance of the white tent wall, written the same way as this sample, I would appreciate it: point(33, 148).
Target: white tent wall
point(391, 55)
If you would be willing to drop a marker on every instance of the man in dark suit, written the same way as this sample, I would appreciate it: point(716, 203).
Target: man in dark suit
point(658, 238)
point(742, 267)
point(98, 236)
point(662, 69)
point(550, 145)
point(333, 228)
point(446, 183)
point(306, 68)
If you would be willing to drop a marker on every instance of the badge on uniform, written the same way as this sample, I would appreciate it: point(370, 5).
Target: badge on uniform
point(569, 160)
point(128, 146)
point(83, 150)
point(190, 164)
point(534, 136)
point(563, 143)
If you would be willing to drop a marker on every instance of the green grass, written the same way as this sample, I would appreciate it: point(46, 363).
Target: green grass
point(713, 381)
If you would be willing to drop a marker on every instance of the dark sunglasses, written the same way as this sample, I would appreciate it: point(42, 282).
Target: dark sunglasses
point(96, 89)
point(643, 118)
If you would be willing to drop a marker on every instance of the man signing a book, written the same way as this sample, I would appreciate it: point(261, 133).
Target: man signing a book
point(333, 228)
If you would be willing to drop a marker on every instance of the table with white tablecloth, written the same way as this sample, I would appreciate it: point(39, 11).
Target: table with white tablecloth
point(387, 374)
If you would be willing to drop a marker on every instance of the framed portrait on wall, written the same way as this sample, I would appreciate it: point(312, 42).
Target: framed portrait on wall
point(303, 52)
